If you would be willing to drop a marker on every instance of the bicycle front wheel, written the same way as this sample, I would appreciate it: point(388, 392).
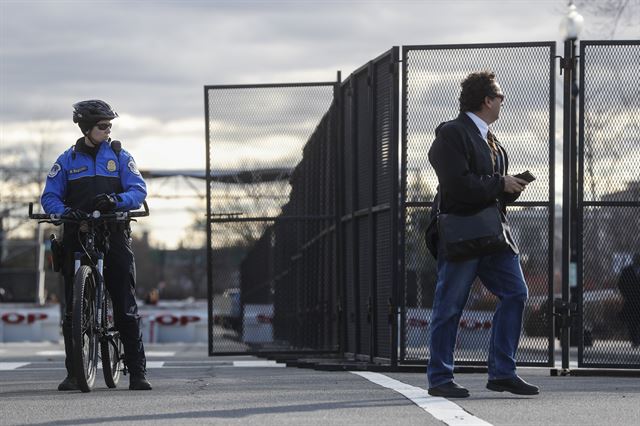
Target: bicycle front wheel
point(111, 348)
point(85, 338)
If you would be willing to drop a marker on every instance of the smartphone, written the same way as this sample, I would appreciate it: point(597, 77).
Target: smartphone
point(526, 176)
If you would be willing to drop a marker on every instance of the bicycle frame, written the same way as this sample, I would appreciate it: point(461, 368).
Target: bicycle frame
point(91, 323)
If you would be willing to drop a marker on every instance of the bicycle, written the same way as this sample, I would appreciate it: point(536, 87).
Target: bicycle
point(93, 321)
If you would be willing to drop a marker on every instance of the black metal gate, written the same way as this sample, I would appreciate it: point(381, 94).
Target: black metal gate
point(271, 166)
point(369, 208)
point(609, 205)
point(431, 79)
point(316, 220)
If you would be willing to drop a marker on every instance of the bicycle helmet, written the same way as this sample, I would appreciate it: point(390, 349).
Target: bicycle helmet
point(88, 113)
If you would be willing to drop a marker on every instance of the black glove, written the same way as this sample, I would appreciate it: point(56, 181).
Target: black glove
point(75, 214)
point(105, 203)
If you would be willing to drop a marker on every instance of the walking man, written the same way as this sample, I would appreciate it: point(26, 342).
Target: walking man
point(471, 166)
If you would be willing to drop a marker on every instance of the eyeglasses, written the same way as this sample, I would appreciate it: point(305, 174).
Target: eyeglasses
point(498, 95)
point(103, 126)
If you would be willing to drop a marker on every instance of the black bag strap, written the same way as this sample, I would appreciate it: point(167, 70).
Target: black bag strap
point(116, 146)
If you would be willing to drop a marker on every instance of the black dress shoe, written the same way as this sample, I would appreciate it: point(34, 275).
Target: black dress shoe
point(449, 390)
point(68, 384)
point(139, 382)
point(514, 385)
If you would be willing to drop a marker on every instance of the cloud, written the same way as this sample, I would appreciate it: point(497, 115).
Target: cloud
point(151, 59)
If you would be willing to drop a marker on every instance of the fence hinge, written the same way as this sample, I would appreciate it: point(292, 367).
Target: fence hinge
point(567, 63)
point(564, 312)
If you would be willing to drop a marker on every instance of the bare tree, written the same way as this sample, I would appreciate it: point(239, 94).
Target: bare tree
point(611, 15)
point(22, 172)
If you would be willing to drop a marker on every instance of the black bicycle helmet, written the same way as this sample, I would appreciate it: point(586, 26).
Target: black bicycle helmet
point(88, 113)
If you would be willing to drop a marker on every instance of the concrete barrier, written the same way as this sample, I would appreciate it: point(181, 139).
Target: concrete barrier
point(473, 332)
point(166, 322)
point(29, 323)
point(175, 321)
point(257, 324)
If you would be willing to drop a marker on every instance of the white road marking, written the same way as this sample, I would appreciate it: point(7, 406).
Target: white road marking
point(267, 363)
point(161, 364)
point(156, 354)
point(41, 369)
point(50, 353)
point(572, 364)
point(12, 365)
point(440, 408)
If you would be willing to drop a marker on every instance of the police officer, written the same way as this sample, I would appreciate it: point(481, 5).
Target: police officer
point(97, 174)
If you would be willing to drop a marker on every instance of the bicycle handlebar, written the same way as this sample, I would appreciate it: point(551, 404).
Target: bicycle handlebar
point(117, 216)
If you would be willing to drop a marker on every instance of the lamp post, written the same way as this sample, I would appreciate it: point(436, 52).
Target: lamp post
point(570, 28)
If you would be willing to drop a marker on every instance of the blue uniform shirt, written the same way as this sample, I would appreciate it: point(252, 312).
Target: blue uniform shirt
point(77, 177)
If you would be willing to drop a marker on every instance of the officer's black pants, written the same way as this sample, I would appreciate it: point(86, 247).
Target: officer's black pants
point(120, 280)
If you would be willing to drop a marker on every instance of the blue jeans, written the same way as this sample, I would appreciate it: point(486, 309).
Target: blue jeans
point(502, 275)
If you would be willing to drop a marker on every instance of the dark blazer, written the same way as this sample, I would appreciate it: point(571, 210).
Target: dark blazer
point(467, 181)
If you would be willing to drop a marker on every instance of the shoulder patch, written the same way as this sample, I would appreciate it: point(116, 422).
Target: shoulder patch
point(133, 167)
point(54, 170)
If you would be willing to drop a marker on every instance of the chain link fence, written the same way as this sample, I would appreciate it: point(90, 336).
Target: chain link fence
point(317, 211)
point(609, 205)
point(432, 77)
point(270, 196)
point(369, 208)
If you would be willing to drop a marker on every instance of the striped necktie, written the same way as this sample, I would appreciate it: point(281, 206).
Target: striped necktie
point(491, 140)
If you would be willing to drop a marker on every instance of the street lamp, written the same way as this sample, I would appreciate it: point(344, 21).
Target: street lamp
point(570, 28)
point(571, 25)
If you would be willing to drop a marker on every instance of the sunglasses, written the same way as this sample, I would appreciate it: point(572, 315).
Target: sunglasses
point(499, 96)
point(103, 126)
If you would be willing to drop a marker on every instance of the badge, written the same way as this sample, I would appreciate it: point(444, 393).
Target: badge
point(54, 170)
point(111, 166)
point(134, 169)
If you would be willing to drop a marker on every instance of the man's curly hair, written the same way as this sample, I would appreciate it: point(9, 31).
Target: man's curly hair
point(475, 87)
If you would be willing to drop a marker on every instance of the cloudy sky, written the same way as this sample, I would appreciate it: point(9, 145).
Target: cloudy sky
point(150, 59)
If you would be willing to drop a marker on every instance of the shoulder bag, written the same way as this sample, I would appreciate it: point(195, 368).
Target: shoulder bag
point(464, 237)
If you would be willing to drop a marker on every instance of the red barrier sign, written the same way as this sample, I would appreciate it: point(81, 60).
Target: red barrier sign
point(19, 318)
point(263, 319)
point(475, 324)
point(168, 319)
point(466, 324)
point(417, 322)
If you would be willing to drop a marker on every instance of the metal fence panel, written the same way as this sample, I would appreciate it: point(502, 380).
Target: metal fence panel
point(609, 205)
point(349, 247)
point(268, 168)
point(362, 220)
point(369, 217)
point(386, 196)
point(431, 85)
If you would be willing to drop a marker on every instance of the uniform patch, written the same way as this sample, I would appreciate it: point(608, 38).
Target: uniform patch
point(78, 170)
point(54, 170)
point(133, 167)
point(111, 166)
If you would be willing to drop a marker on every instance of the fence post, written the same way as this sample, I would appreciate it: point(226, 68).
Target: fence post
point(564, 308)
